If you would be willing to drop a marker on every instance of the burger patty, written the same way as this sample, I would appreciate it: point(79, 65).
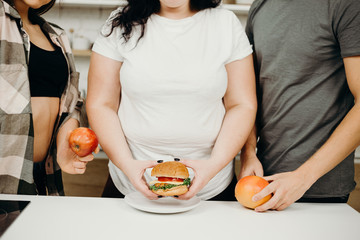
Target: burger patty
point(159, 185)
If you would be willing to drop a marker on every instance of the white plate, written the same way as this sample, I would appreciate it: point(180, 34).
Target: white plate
point(162, 205)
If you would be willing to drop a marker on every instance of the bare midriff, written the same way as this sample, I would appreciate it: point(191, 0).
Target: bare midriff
point(45, 111)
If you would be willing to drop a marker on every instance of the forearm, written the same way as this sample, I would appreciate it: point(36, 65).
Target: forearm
point(237, 125)
point(105, 122)
point(341, 143)
point(249, 148)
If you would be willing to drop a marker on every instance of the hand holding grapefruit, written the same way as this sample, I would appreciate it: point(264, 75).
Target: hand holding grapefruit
point(247, 187)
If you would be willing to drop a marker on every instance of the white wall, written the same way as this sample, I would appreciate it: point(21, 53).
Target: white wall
point(86, 22)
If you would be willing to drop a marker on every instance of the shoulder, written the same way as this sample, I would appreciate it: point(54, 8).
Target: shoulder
point(4, 7)
point(220, 18)
point(255, 6)
point(7, 10)
point(344, 13)
point(341, 6)
point(219, 13)
point(344, 2)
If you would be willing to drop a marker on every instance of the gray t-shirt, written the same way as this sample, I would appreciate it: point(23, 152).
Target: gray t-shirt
point(302, 88)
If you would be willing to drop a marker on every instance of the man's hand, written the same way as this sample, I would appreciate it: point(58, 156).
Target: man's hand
point(286, 189)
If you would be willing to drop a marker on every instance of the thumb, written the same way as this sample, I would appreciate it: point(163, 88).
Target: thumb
point(68, 135)
point(259, 172)
point(97, 150)
point(186, 162)
point(269, 178)
point(150, 163)
point(245, 173)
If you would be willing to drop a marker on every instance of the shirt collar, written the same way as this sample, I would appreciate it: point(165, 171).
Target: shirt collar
point(10, 9)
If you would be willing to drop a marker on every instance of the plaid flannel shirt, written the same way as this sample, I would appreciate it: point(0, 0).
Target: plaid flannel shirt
point(16, 126)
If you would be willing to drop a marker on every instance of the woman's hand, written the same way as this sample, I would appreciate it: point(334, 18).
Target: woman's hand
point(68, 161)
point(135, 170)
point(250, 165)
point(286, 188)
point(204, 172)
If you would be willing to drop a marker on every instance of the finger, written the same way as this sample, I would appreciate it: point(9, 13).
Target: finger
point(187, 163)
point(144, 187)
point(80, 170)
point(68, 135)
point(87, 158)
point(186, 196)
point(277, 205)
point(147, 192)
point(269, 204)
point(79, 164)
point(150, 195)
point(270, 178)
point(259, 172)
point(193, 190)
point(144, 180)
point(149, 163)
point(97, 150)
point(246, 173)
point(269, 189)
point(283, 206)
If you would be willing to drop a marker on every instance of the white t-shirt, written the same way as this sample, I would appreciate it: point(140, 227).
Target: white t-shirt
point(172, 85)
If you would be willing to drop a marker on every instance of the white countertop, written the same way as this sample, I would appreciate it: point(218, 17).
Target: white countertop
point(53, 218)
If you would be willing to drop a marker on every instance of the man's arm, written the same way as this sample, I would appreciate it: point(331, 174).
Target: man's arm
point(346, 137)
point(290, 186)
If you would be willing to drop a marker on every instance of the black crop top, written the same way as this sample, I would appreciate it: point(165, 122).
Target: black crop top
point(48, 72)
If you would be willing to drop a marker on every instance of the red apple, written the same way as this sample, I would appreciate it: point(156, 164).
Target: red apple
point(83, 141)
point(247, 187)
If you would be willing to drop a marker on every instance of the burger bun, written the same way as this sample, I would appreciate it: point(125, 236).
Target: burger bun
point(182, 189)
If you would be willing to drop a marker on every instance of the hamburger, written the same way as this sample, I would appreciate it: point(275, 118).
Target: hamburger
point(172, 179)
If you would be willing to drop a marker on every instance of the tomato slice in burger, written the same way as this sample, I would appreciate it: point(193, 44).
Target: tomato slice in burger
point(169, 179)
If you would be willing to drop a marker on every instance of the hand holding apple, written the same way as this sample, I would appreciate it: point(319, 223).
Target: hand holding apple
point(83, 141)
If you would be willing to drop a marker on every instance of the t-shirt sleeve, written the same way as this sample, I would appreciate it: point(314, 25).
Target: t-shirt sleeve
point(110, 46)
point(240, 43)
point(346, 24)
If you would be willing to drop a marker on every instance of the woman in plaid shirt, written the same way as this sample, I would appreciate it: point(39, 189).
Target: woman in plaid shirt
point(39, 101)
